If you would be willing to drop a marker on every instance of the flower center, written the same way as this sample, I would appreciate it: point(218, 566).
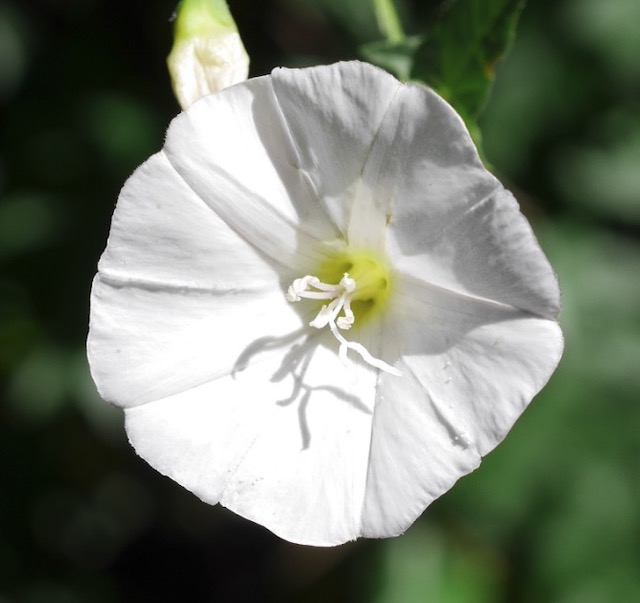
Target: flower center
point(354, 286)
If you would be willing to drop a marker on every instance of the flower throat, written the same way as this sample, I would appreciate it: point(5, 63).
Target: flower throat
point(354, 286)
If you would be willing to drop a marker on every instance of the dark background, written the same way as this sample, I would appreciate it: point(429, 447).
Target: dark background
point(551, 516)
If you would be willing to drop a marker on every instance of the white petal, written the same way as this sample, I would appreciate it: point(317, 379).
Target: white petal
point(423, 169)
point(450, 220)
point(482, 358)
point(333, 114)
point(489, 252)
point(162, 233)
point(233, 151)
point(413, 458)
point(290, 457)
point(469, 368)
point(179, 295)
point(149, 342)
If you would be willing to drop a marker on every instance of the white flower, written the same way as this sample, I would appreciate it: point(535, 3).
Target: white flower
point(207, 54)
point(321, 423)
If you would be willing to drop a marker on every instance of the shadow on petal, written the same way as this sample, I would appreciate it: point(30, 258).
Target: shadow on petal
point(295, 364)
point(429, 320)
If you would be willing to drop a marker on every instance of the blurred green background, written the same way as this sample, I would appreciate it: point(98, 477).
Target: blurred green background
point(550, 517)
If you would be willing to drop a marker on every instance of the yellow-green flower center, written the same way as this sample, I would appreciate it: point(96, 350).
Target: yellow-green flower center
point(372, 277)
point(352, 287)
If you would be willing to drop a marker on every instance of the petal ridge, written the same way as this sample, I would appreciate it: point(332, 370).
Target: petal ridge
point(120, 280)
point(298, 161)
point(345, 100)
point(261, 233)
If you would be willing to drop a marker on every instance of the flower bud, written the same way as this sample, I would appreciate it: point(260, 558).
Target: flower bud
point(207, 53)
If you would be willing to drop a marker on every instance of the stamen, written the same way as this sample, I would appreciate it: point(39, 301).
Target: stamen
point(311, 287)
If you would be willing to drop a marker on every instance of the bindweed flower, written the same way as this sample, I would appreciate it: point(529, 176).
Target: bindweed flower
point(316, 307)
point(207, 53)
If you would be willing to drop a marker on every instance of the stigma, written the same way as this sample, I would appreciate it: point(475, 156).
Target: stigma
point(337, 313)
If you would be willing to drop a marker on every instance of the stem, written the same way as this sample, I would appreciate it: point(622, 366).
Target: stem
point(388, 20)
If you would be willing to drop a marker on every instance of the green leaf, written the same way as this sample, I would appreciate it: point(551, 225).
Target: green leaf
point(396, 57)
point(460, 51)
